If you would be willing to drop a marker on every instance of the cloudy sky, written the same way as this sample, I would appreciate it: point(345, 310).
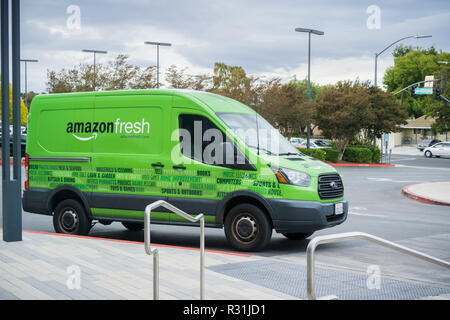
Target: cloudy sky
point(257, 35)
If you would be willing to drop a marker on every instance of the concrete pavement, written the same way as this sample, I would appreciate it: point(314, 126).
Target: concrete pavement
point(50, 267)
point(430, 192)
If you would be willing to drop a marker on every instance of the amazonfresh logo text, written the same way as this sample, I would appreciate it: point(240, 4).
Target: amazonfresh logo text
point(118, 127)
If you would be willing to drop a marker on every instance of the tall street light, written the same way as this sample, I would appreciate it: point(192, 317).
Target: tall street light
point(26, 77)
point(319, 33)
point(157, 44)
point(94, 52)
point(378, 54)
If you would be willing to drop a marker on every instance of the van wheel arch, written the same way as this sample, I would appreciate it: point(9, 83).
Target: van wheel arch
point(62, 193)
point(237, 198)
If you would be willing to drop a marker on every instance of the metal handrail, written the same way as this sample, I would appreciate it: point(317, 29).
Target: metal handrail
point(154, 252)
point(356, 235)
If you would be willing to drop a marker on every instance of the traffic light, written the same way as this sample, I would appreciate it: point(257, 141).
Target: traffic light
point(437, 94)
point(413, 91)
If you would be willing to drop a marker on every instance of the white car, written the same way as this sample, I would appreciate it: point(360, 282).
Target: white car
point(441, 149)
point(312, 145)
point(296, 142)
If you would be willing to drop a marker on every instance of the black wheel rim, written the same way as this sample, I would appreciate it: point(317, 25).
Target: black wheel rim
point(245, 228)
point(68, 220)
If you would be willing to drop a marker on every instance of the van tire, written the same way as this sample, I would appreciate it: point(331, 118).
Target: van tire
point(133, 226)
point(70, 218)
point(297, 236)
point(247, 228)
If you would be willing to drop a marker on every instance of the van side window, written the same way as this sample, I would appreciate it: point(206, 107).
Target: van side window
point(196, 133)
point(203, 141)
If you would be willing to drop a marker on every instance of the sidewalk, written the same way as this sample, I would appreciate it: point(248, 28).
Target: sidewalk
point(430, 192)
point(407, 150)
point(41, 266)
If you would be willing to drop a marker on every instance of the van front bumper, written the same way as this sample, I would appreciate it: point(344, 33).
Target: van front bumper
point(295, 216)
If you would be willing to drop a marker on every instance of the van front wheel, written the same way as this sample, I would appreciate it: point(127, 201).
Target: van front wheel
point(70, 218)
point(247, 228)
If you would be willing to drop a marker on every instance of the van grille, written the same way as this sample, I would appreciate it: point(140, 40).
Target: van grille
point(330, 186)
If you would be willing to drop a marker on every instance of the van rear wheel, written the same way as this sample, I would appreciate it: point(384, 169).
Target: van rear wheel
point(133, 226)
point(297, 236)
point(247, 228)
point(70, 218)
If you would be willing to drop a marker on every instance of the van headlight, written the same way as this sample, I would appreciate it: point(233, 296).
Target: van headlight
point(287, 176)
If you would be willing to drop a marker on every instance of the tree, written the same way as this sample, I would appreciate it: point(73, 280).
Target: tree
point(23, 109)
point(233, 82)
point(384, 114)
point(411, 65)
point(178, 79)
point(341, 111)
point(115, 75)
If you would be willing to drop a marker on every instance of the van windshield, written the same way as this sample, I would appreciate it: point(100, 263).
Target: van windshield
point(258, 134)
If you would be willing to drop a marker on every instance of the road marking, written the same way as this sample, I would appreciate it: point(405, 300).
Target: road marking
point(390, 180)
point(426, 168)
point(354, 211)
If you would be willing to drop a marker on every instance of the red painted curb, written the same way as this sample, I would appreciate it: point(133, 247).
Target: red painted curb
point(136, 242)
point(420, 198)
point(361, 165)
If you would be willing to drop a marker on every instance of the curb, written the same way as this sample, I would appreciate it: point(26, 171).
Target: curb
point(136, 242)
point(361, 165)
point(414, 196)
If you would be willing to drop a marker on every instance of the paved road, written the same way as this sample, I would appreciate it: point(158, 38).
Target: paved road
point(376, 207)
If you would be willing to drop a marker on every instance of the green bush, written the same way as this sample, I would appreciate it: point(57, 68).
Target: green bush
point(359, 155)
point(319, 154)
point(332, 155)
point(376, 153)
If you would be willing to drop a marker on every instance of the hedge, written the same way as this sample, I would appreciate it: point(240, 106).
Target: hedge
point(359, 155)
point(332, 155)
point(319, 154)
point(376, 153)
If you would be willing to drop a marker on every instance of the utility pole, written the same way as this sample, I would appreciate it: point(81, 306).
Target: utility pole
point(158, 44)
point(94, 52)
point(319, 33)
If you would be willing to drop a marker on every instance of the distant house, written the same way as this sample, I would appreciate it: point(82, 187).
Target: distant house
point(415, 131)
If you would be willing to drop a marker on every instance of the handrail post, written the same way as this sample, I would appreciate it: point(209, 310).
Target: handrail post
point(362, 236)
point(150, 252)
point(154, 252)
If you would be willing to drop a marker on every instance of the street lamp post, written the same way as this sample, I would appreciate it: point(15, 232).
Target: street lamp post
point(157, 44)
point(94, 52)
point(26, 77)
point(376, 67)
point(378, 54)
point(319, 33)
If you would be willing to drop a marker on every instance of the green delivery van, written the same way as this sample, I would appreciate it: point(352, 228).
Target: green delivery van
point(102, 157)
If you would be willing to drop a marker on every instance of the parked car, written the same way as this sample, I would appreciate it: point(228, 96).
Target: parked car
point(438, 150)
point(427, 143)
point(296, 142)
point(322, 143)
point(312, 145)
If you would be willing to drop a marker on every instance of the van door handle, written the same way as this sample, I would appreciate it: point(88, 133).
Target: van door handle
point(157, 165)
point(179, 167)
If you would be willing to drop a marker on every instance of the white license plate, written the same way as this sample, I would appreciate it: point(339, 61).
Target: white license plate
point(339, 208)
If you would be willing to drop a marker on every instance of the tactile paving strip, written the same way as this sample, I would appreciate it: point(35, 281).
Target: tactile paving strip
point(290, 279)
